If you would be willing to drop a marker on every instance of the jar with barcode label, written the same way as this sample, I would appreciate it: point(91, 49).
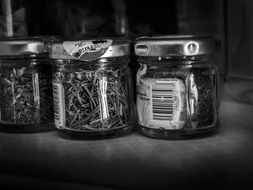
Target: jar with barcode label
point(177, 86)
point(92, 88)
point(26, 97)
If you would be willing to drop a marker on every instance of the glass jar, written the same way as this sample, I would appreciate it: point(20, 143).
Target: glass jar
point(26, 99)
point(92, 88)
point(177, 86)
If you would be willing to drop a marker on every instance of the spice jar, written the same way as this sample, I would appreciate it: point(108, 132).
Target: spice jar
point(92, 88)
point(26, 98)
point(177, 86)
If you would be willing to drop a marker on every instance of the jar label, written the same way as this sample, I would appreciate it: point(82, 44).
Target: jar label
point(87, 50)
point(161, 103)
point(59, 105)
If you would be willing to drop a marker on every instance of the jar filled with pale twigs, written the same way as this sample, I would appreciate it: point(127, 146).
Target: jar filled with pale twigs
point(92, 88)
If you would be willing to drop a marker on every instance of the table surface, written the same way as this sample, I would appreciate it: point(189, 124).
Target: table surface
point(133, 161)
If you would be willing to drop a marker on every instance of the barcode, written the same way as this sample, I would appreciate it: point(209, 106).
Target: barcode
point(163, 100)
point(59, 111)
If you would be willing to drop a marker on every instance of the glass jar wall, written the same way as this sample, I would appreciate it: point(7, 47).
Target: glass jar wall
point(177, 87)
point(92, 95)
point(26, 99)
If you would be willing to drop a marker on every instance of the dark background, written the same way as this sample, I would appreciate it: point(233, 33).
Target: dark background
point(79, 19)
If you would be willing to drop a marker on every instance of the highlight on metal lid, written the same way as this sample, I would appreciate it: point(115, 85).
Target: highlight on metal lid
point(90, 50)
point(176, 45)
point(18, 46)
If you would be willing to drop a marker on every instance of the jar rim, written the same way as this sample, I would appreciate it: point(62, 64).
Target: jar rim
point(176, 45)
point(30, 45)
point(91, 49)
point(24, 57)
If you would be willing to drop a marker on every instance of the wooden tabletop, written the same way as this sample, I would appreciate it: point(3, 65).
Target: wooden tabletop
point(44, 160)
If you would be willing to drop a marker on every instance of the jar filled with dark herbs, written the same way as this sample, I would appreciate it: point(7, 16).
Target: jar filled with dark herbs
point(26, 98)
point(92, 88)
point(177, 86)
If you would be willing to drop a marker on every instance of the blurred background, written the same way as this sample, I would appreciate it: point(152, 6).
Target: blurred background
point(229, 21)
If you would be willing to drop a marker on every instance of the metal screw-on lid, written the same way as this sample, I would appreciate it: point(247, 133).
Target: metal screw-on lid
point(17, 46)
point(180, 45)
point(89, 50)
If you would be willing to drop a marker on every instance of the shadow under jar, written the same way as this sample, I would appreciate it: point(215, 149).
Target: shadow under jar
point(26, 98)
point(177, 86)
point(92, 86)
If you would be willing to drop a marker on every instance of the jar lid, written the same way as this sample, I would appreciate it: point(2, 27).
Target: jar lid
point(17, 46)
point(89, 50)
point(179, 45)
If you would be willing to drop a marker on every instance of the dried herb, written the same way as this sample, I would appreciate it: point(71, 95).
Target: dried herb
point(201, 98)
point(206, 114)
point(95, 100)
point(26, 94)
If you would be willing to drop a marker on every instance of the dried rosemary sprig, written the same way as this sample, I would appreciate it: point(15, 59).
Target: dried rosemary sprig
point(95, 100)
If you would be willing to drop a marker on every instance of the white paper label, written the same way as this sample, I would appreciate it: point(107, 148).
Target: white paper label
point(161, 102)
point(59, 105)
